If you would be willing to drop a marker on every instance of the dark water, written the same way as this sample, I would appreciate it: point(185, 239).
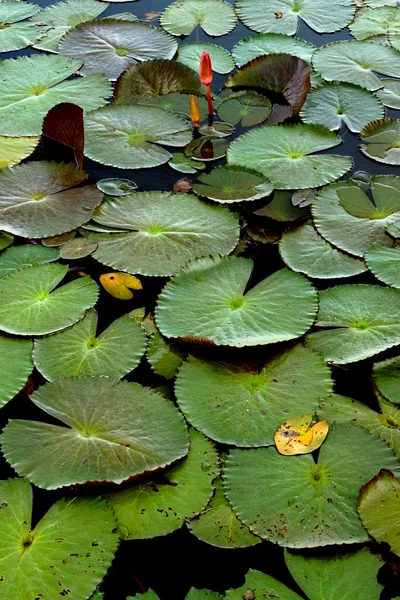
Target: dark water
point(172, 564)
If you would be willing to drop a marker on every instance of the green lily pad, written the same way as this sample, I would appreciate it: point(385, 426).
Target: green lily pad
point(246, 108)
point(194, 594)
point(184, 164)
point(384, 263)
point(177, 102)
point(232, 184)
point(347, 218)
point(161, 505)
point(298, 503)
point(378, 3)
point(281, 16)
point(376, 23)
point(356, 62)
point(19, 257)
point(219, 526)
point(132, 136)
point(15, 149)
point(189, 53)
point(270, 43)
point(393, 229)
point(117, 430)
point(362, 320)
point(281, 208)
point(206, 301)
point(386, 375)
point(109, 46)
point(165, 358)
point(61, 17)
point(159, 232)
point(31, 306)
point(6, 239)
point(335, 103)
point(216, 17)
point(260, 586)
point(116, 186)
point(244, 405)
point(32, 85)
point(390, 94)
point(40, 198)
point(285, 155)
point(15, 35)
point(79, 351)
point(382, 141)
point(149, 81)
point(68, 552)
point(333, 577)
point(16, 366)
point(305, 251)
point(379, 509)
point(79, 247)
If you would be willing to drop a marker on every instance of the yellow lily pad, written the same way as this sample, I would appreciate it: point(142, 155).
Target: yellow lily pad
point(120, 285)
point(296, 436)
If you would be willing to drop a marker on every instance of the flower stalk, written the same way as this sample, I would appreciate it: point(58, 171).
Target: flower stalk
point(206, 77)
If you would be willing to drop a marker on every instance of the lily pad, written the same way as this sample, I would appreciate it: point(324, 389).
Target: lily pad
point(244, 405)
point(131, 137)
point(205, 149)
point(298, 503)
point(189, 53)
point(246, 108)
point(79, 247)
point(390, 94)
point(219, 526)
point(232, 184)
point(67, 552)
point(16, 366)
point(109, 46)
point(379, 23)
point(159, 232)
point(116, 187)
point(386, 375)
point(32, 85)
point(336, 576)
point(362, 320)
point(356, 62)
point(281, 208)
point(165, 358)
point(305, 251)
point(384, 263)
point(194, 594)
point(115, 431)
point(285, 155)
point(271, 43)
point(382, 141)
point(177, 102)
point(184, 164)
point(281, 16)
point(261, 586)
point(6, 239)
point(379, 508)
point(26, 255)
point(41, 199)
point(335, 103)
point(79, 351)
point(207, 301)
point(162, 504)
point(31, 306)
point(215, 17)
point(15, 35)
point(347, 218)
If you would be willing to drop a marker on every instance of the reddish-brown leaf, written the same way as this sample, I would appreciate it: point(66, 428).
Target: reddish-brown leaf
point(64, 124)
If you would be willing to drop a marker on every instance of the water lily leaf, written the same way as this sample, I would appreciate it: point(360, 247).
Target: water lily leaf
point(160, 232)
point(16, 366)
point(79, 247)
point(303, 198)
point(61, 17)
point(164, 357)
point(281, 208)
point(334, 577)
point(116, 186)
point(390, 94)
point(270, 43)
point(117, 430)
point(281, 16)
point(297, 435)
point(184, 164)
point(208, 301)
point(109, 46)
point(26, 255)
point(215, 17)
point(298, 503)
point(382, 140)
point(13, 34)
point(285, 154)
point(373, 22)
point(194, 594)
point(384, 263)
point(6, 239)
point(304, 250)
point(40, 199)
point(58, 240)
point(76, 535)
point(160, 505)
point(128, 137)
point(64, 124)
point(232, 184)
point(393, 229)
point(31, 306)
point(219, 526)
point(259, 586)
point(177, 102)
point(281, 73)
point(334, 207)
point(206, 149)
point(363, 320)
point(152, 79)
point(32, 85)
point(120, 285)
point(379, 508)
point(356, 62)
point(149, 595)
point(80, 351)
point(335, 103)
point(386, 375)
point(378, 3)
point(189, 53)
point(246, 108)
point(216, 130)
point(244, 405)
